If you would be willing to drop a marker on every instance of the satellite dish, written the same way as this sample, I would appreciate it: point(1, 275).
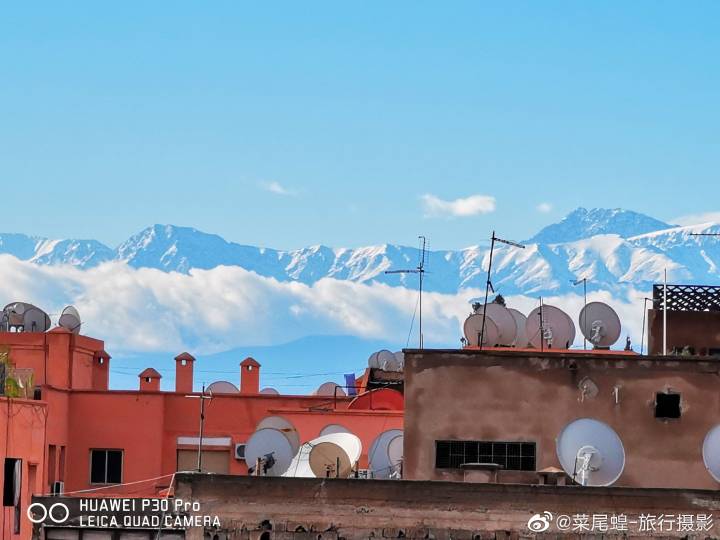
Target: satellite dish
point(329, 459)
point(400, 359)
point(501, 316)
point(14, 314)
point(70, 319)
point(329, 389)
point(373, 361)
point(379, 457)
point(558, 331)
point(331, 429)
point(711, 452)
point(395, 452)
point(35, 320)
point(600, 324)
point(284, 427)
point(223, 387)
point(473, 329)
point(268, 442)
point(591, 452)
point(19, 307)
point(269, 392)
point(521, 339)
point(387, 360)
point(309, 463)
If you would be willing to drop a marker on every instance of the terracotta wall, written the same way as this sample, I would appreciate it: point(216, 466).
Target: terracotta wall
point(146, 426)
point(22, 435)
point(523, 396)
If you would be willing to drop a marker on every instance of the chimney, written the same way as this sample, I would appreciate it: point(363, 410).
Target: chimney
point(150, 380)
point(101, 370)
point(184, 373)
point(249, 376)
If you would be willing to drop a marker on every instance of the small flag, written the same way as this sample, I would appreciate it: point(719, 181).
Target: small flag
point(350, 384)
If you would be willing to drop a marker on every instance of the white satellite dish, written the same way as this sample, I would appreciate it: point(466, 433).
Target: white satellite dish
point(521, 339)
point(35, 320)
point(268, 442)
point(311, 463)
point(269, 391)
point(223, 387)
point(330, 429)
point(558, 331)
point(600, 324)
point(329, 389)
point(284, 427)
point(591, 452)
point(400, 359)
point(379, 457)
point(395, 452)
point(501, 316)
point(473, 329)
point(387, 360)
point(70, 319)
point(373, 361)
point(711, 452)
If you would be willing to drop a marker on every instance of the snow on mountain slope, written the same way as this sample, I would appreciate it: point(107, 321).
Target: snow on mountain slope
point(617, 254)
point(582, 223)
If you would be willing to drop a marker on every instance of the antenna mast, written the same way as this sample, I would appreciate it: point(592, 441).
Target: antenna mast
point(488, 283)
point(420, 271)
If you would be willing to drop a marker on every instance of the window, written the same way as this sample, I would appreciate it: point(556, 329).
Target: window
point(667, 405)
point(106, 466)
point(11, 489)
point(512, 456)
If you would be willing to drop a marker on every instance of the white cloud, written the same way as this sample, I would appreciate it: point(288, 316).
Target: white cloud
point(462, 207)
point(146, 310)
point(544, 207)
point(277, 188)
point(694, 219)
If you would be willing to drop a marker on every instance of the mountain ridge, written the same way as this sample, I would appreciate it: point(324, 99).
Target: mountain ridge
point(620, 252)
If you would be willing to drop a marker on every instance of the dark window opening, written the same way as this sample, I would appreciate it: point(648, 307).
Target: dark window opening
point(667, 405)
point(106, 466)
point(512, 456)
point(12, 484)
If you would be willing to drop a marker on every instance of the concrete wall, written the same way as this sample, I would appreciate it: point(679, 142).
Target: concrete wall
point(526, 396)
point(699, 329)
point(294, 508)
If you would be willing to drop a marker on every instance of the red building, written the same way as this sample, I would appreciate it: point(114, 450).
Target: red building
point(70, 428)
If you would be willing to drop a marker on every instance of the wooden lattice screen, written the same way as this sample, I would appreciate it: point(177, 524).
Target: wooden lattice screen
point(687, 297)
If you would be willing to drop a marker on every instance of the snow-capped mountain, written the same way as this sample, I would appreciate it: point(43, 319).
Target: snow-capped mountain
point(583, 223)
point(614, 249)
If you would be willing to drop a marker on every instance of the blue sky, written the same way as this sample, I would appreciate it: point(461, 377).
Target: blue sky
point(293, 123)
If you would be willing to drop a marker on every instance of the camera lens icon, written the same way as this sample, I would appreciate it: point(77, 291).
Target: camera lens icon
point(38, 513)
point(540, 522)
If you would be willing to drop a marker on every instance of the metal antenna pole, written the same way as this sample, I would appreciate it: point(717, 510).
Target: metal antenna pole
point(420, 270)
point(202, 397)
point(642, 335)
point(488, 283)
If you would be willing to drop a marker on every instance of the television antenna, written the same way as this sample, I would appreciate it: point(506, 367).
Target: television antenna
point(420, 271)
point(202, 397)
point(488, 283)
